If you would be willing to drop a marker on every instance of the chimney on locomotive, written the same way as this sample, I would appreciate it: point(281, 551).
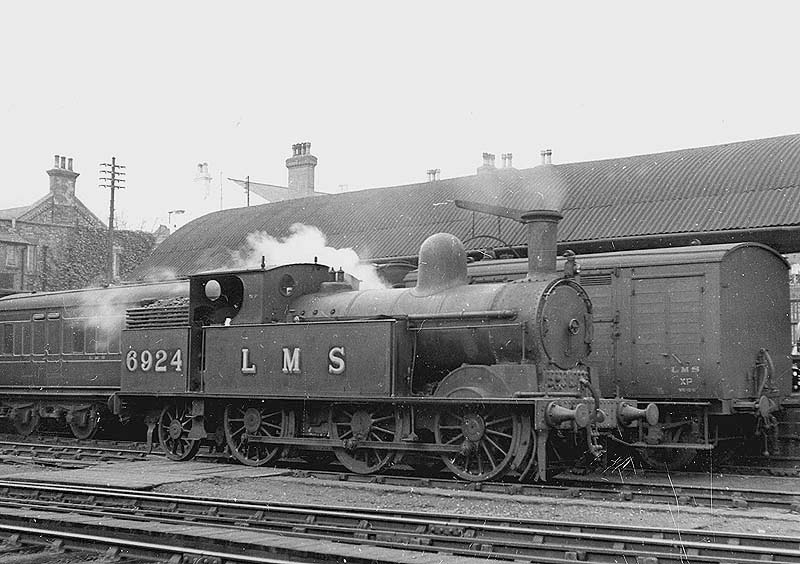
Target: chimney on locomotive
point(542, 229)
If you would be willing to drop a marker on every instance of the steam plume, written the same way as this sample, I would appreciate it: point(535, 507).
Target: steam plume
point(304, 244)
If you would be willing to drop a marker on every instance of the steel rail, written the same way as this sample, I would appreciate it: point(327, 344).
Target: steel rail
point(464, 535)
point(633, 491)
point(140, 549)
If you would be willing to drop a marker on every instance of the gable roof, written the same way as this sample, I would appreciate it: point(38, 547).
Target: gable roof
point(716, 193)
point(13, 213)
point(270, 192)
point(48, 201)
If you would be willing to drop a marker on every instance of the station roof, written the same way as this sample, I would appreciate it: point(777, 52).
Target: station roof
point(748, 190)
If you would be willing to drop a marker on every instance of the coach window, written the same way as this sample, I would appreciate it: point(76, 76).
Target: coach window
point(76, 336)
point(27, 340)
point(8, 338)
point(113, 339)
point(38, 333)
point(101, 335)
point(91, 337)
point(18, 338)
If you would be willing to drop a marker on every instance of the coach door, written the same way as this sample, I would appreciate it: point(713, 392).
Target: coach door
point(46, 337)
point(667, 335)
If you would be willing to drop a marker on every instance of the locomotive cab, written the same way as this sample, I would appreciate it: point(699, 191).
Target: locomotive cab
point(255, 296)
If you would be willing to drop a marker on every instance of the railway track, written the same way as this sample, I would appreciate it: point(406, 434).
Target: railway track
point(288, 530)
point(591, 488)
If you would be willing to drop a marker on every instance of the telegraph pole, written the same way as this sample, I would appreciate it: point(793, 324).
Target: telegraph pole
point(247, 189)
point(110, 178)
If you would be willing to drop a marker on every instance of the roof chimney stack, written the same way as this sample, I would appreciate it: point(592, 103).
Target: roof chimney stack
point(488, 164)
point(62, 180)
point(301, 169)
point(507, 160)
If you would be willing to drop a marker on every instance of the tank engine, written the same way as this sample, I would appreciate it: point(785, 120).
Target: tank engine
point(486, 378)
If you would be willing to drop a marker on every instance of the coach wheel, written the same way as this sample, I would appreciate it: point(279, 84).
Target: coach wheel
point(25, 420)
point(246, 421)
point(487, 437)
point(85, 423)
point(173, 432)
point(354, 424)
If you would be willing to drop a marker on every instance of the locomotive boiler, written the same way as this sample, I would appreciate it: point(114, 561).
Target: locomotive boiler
point(488, 379)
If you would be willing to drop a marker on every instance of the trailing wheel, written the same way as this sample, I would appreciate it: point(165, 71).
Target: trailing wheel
point(25, 420)
point(244, 422)
point(487, 437)
point(85, 423)
point(173, 432)
point(353, 424)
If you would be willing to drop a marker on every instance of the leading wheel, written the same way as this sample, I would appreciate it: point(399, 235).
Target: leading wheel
point(354, 424)
point(85, 423)
point(487, 437)
point(173, 432)
point(249, 421)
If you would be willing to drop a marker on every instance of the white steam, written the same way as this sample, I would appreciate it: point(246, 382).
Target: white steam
point(305, 243)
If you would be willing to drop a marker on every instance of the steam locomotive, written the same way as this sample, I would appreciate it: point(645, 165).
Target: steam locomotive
point(701, 331)
point(488, 379)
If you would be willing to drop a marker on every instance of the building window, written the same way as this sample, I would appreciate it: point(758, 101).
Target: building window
point(30, 258)
point(11, 256)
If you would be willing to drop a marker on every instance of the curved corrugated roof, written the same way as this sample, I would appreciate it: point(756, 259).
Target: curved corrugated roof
point(737, 186)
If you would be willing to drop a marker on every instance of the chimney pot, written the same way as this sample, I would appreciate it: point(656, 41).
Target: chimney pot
point(63, 162)
point(549, 155)
point(69, 163)
point(488, 164)
point(508, 156)
point(436, 172)
point(543, 154)
point(55, 161)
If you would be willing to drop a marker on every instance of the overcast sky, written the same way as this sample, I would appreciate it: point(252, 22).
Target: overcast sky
point(383, 91)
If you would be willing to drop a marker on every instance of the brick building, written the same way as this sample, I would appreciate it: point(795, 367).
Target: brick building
point(58, 243)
